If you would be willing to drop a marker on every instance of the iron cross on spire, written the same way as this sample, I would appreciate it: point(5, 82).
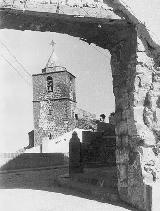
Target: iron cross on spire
point(53, 58)
point(52, 43)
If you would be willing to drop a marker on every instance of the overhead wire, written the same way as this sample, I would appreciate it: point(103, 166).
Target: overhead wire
point(15, 69)
point(24, 69)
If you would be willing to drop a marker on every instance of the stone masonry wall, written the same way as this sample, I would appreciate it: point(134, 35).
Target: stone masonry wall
point(62, 88)
point(53, 117)
point(137, 92)
point(53, 111)
point(123, 64)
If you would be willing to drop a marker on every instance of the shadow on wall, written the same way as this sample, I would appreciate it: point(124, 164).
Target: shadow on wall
point(41, 179)
point(31, 160)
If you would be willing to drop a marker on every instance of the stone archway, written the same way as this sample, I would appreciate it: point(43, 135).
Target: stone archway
point(136, 88)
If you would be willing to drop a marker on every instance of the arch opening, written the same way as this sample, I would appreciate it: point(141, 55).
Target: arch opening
point(120, 38)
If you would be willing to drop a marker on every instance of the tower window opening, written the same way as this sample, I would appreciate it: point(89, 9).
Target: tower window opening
point(50, 136)
point(49, 84)
point(76, 116)
point(50, 112)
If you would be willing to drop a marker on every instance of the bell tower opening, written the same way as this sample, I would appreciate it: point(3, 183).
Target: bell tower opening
point(49, 84)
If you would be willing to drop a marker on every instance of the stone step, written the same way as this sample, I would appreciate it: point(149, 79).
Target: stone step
point(98, 193)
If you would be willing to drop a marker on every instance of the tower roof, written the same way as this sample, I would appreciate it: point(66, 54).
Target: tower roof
point(52, 61)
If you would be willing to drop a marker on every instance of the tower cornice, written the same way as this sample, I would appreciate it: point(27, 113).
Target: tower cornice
point(56, 99)
point(48, 73)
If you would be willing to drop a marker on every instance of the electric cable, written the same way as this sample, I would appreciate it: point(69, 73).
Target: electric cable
point(24, 69)
point(15, 69)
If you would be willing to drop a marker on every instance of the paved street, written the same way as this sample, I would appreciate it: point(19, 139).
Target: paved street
point(37, 200)
point(37, 191)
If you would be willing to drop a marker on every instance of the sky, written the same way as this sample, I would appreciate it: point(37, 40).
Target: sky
point(90, 64)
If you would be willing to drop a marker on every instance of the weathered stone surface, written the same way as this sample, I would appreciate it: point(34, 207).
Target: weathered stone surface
point(53, 111)
point(122, 156)
point(102, 31)
point(136, 186)
point(139, 96)
point(125, 142)
point(151, 47)
point(123, 178)
point(121, 128)
point(137, 108)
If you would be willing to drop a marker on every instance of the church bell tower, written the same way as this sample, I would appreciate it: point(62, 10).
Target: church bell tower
point(54, 100)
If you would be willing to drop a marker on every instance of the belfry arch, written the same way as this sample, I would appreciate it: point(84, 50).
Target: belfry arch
point(136, 87)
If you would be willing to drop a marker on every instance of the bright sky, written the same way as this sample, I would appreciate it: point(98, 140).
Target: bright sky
point(90, 66)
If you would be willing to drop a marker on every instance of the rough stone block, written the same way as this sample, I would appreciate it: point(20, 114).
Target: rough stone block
point(122, 174)
point(122, 156)
point(156, 77)
point(118, 116)
point(143, 80)
point(144, 59)
point(139, 96)
point(121, 128)
point(118, 141)
point(132, 130)
point(141, 68)
point(125, 141)
point(127, 114)
point(122, 103)
point(145, 134)
point(138, 114)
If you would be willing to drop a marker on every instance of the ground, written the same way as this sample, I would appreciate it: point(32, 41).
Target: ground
point(38, 200)
point(36, 190)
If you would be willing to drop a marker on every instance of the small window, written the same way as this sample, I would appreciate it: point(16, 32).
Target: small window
point(50, 136)
point(49, 84)
point(49, 112)
point(76, 116)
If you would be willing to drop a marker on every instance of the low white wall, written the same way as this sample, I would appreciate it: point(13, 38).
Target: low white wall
point(59, 145)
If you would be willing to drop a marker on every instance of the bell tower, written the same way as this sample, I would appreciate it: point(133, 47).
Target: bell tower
point(54, 100)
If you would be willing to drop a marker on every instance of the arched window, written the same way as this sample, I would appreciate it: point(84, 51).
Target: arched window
point(49, 84)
